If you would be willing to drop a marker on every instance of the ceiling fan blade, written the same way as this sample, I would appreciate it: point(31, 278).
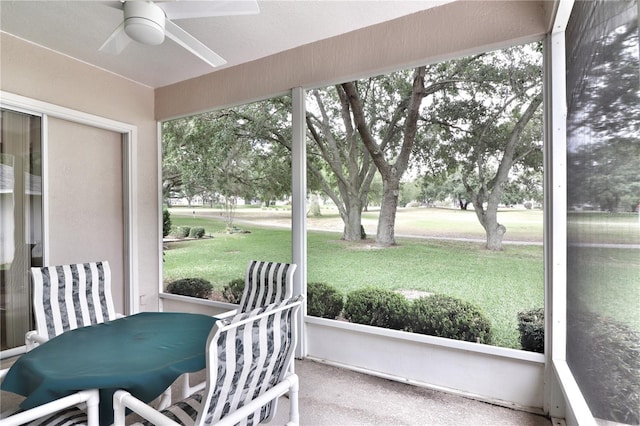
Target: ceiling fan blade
point(116, 42)
point(206, 9)
point(116, 4)
point(192, 44)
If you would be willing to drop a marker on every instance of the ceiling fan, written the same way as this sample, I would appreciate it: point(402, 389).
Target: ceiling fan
point(149, 22)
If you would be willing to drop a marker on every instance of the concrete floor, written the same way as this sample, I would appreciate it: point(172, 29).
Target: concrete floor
point(331, 396)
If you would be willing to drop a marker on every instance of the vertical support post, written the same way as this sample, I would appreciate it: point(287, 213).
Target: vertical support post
point(130, 182)
point(562, 398)
point(554, 219)
point(299, 209)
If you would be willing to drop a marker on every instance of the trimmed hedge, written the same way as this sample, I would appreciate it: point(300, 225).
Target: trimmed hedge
point(445, 316)
point(194, 287)
point(531, 328)
point(196, 232)
point(166, 222)
point(323, 300)
point(181, 231)
point(232, 291)
point(377, 307)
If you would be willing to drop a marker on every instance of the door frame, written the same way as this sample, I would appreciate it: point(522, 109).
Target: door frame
point(129, 134)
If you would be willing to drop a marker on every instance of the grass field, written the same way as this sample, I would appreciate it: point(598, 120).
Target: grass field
point(500, 283)
point(444, 255)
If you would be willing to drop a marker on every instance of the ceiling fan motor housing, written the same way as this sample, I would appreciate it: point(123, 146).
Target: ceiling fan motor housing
point(144, 22)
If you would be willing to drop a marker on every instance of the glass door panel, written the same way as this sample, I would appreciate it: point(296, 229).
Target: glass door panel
point(20, 221)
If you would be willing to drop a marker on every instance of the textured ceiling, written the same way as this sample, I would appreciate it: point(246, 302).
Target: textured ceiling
point(78, 29)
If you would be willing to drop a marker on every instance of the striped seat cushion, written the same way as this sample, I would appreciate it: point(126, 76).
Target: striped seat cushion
point(266, 283)
point(66, 297)
point(184, 412)
point(69, 417)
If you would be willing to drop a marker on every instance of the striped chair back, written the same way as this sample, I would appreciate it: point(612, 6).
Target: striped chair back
point(266, 283)
point(246, 356)
point(67, 297)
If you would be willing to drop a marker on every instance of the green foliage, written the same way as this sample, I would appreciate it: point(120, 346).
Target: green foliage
point(323, 300)
point(166, 222)
point(180, 231)
point(196, 232)
point(605, 359)
point(232, 291)
point(531, 328)
point(446, 316)
point(232, 152)
point(377, 307)
point(194, 287)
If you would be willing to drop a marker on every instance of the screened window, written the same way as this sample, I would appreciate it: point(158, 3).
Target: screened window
point(603, 165)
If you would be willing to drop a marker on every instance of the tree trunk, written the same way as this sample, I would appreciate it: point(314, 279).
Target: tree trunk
point(352, 221)
point(388, 208)
point(489, 220)
point(494, 237)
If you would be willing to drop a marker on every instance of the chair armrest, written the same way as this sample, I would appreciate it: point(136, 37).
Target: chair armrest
point(288, 383)
point(33, 339)
point(187, 389)
point(123, 399)
point(227, 314)
point(91, 397)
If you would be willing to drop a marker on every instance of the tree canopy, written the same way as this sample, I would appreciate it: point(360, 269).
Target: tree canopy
point(475, 120)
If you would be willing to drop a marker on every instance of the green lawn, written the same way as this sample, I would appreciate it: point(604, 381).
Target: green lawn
point(599, 227)
point(606, 281)
point(500, 283)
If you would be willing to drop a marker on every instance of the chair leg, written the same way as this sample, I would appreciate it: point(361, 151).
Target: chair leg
point(294, 414)
point(93, 409)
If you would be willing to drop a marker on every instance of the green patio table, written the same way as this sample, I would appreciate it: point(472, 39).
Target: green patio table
point(142, 353)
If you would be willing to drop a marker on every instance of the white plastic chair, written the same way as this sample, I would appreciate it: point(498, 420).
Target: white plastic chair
point(248, 368)
point(66, 297)
point(80, 408)
point(264, 283)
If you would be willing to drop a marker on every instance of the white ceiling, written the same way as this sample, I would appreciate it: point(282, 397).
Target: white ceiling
point(79, 28)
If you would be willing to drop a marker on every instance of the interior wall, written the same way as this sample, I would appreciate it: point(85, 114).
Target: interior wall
point(86, 211)
point(40, 74)
point(451, 30)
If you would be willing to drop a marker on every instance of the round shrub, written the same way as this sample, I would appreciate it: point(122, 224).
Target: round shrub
point(377, 307)
point(196, 232)
point(194, 287)
point(181, 231)
point(323, 300)
point(531, 328)
point(445, 316)
point(232, 292)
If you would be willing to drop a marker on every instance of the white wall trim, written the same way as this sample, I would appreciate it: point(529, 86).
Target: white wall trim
point(502, 376)
point(130, 141)
point(197, 301)
point(160, 213)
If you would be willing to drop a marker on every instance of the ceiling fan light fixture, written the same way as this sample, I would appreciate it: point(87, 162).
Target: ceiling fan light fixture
point(144, 22)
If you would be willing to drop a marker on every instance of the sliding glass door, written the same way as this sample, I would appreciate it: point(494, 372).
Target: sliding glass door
point(21, 221)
